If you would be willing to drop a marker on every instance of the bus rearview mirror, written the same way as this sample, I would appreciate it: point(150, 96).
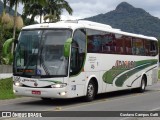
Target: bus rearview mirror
point(67, 46)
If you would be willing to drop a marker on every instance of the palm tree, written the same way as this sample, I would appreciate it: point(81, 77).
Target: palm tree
point(54, 8)
point(4, 5)
point(33, 10)
point(15, 3)
point(5, 21)
point(4, 18)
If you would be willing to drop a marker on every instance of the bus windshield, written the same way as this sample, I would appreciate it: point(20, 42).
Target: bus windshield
point(40, 52)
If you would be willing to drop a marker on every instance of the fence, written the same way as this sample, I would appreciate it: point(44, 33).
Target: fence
point(5, 71)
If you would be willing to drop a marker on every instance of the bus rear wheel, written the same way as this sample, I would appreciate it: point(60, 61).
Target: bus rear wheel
point(91, 91)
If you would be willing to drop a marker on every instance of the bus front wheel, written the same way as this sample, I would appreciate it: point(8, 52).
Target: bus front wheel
point(91, 91)
point(142, 87)
point(46, 99)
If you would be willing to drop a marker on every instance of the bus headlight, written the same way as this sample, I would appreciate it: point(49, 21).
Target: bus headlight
point(17, 83)
point(59, 85)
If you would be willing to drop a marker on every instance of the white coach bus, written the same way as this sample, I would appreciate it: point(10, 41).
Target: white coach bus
point(70, 59)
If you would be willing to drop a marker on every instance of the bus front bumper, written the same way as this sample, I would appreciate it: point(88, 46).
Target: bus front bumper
point(40, 92)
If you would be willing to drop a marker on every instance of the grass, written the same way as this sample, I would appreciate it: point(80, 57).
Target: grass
point(6, 89)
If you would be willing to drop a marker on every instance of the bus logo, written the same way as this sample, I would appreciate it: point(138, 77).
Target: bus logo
point(124, 64)
point(92, 66)
point(35, 84)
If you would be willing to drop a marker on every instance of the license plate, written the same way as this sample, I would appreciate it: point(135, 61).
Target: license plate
point(35, 92)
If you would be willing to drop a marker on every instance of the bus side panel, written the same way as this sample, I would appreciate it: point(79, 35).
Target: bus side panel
point(92, 69)
point(113, 78)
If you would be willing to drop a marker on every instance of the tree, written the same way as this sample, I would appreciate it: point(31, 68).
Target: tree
point(33, 10)
point(4, 5)
point(54, 9)
point(15, 3)
point(6, 23)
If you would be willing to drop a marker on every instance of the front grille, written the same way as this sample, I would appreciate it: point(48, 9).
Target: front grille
point(36, 87)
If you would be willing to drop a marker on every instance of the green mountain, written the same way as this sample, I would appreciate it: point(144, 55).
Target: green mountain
point(10, 11)
point(130, 19)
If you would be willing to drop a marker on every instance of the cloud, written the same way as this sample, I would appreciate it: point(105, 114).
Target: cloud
point(87, 8)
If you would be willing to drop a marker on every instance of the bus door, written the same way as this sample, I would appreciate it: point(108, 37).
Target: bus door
point(77, 59)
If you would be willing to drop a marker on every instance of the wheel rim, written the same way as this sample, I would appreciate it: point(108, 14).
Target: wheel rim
point(143, 85)
point(90, 90)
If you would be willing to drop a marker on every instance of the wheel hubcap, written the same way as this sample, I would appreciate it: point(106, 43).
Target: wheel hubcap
point(143, 85)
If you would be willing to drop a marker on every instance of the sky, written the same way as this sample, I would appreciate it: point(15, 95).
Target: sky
point(88, 8)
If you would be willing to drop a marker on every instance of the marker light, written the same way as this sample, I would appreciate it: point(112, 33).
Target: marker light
point(63, 93)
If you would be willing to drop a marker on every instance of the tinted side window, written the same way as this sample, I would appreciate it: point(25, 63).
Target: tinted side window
point(147, 47)
point(100, 42)
point(119, 42)
point(112, 43)
point(94, 41)
point(137, 46)
point(128, 45)
point(153, 48)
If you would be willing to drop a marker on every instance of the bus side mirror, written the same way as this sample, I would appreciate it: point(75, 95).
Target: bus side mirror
point(67, 46)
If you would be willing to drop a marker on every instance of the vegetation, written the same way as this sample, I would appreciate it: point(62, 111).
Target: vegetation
point(10, 24)
point(6, 89)
point(54, 9)
point(50, 9)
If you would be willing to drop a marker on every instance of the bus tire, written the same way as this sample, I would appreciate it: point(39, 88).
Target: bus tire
point(142, 87)
point(91, 91)
point(46, 99)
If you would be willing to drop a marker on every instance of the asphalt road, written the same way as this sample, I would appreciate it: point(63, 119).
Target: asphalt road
point(114, 101)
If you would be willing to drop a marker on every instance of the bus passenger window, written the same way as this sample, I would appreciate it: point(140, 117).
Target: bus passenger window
point(153, 48)
point(137, 46)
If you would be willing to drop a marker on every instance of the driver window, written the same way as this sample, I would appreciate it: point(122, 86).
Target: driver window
point(78, 51)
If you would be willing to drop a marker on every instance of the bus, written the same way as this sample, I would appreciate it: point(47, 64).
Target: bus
point(71, 59)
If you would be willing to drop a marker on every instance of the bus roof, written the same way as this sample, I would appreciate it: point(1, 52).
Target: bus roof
point(74, 24)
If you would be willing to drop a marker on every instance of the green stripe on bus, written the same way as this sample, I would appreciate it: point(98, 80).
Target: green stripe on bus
point(121, 79)
point(109, 76)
